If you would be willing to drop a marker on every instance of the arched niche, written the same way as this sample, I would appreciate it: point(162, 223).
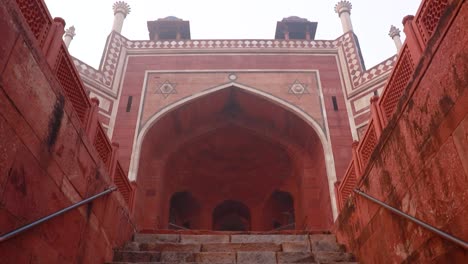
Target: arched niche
point(184, 210)
point(280, 212)
point(231, 216)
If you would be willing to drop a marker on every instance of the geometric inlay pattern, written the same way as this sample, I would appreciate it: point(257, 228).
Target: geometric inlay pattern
point(298, 89)
point(116, 43)
point(166, 89)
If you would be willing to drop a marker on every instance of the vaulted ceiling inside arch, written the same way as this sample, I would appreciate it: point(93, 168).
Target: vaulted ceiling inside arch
point(231, 144)
point(231, 106)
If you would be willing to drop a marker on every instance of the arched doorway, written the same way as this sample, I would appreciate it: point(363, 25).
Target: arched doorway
point(280, 207)
point(233, 145)
point(231, 216)
point(183, 211)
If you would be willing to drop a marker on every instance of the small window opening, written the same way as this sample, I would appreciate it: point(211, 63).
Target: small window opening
point(335, 104)
point(129, 103)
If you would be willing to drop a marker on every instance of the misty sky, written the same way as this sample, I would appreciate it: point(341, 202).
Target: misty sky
point(241, 19)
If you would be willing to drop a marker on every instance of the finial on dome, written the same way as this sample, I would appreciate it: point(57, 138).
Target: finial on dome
point(68, 36)
point(343, 9)
point(394, 31)
point(395, 35)
point(121, 10)
point(343, 6)
point(70, 31)
point(121, 7)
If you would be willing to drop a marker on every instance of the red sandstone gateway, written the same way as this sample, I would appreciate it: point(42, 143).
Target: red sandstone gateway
point(284, 150)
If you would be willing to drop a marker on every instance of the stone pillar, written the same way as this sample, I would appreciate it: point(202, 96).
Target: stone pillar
point(343, 9)
point(121, 10)
point(395, 35)
point(68, 36)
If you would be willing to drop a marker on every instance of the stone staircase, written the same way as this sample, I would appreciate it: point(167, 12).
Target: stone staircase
point(224, 248)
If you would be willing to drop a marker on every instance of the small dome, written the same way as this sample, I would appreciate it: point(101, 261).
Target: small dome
point(170, 18)
point(294, 19)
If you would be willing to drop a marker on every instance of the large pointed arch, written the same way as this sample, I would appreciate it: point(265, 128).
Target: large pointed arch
point(322, 135)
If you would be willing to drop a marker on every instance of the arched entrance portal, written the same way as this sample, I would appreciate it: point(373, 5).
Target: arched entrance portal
point(231, 216)
point(237, 146)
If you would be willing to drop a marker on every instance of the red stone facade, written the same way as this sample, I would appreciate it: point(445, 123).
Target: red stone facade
point(248, 135)
point(418, 163)
point(53, 152)
point(307, 97)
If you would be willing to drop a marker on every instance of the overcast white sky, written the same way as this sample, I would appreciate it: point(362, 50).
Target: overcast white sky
point(240, 19)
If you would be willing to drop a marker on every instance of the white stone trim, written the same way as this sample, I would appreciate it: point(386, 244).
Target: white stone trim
point(117, 88)
point(347, 87)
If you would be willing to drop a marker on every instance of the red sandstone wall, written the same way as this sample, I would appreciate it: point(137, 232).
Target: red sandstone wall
point(420, 164)
point(47, 162)
point(327, 67)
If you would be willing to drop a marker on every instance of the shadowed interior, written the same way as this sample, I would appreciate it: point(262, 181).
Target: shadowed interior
point(232, 145)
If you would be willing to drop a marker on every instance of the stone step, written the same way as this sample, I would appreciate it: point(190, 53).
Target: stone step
point(318, 245)
point(325, 243)
point(330, 257)
point(278, 239)
point(232, 257)
point(150, 246)
point(222, 263)
point(235, 247)
point(226, 238)
point(175, 256)
point(136, 256)
point(229, 248)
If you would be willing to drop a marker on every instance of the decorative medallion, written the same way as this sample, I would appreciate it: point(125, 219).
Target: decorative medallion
point(298, 89)
point(166, 89)
point(232, 77)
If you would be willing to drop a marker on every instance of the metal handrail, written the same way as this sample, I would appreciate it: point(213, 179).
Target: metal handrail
point(178, 226)
point(19, 230)
point(439, 232)
point(283, 227)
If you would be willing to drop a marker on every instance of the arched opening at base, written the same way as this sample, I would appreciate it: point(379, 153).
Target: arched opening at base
point(184, 209)
point(231, 216)
point(281, 208)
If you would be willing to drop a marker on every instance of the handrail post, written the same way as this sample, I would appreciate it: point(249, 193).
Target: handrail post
point(425, 225)
point(92, 124)
point(357, 161)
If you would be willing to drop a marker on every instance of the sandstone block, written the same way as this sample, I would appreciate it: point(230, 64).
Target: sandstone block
point(327, 257)
point(278, 239)
point(132, 246)
point(170, 247)
point(136, 256)
point(154, 238)
point(234, 247)
point(204, 239)
point(216, 257)
point(296, 246)
point(259, 257)
point(295, 257)
point(174, 256)
point(326, 246)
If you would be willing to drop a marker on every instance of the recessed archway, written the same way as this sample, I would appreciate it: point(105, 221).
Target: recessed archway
point(231, 216)
point(280, 206)
point(184, 210)
point(238, 142)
